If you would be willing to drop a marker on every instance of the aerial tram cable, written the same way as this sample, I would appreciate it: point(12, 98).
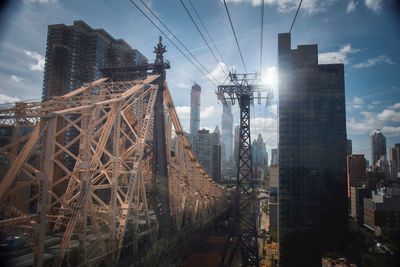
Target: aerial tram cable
point(234, 34)
point(205, 29)
point(187, 50)
point(175, 45)
point(295, 16)
point(262, 35)
point(202, 36)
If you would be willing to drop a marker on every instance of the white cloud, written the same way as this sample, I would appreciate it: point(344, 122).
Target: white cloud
point(351, 6)
point(183, 85)
point(374, 5)
point(391, 131)
point(395, 106)
point(183, 112)
point(42, 1)
point(16, 78)
point(340, 56)
point(8, 99)
point(374, 61)
point(217, 72)
point(39, 64)
point(184, 116)
point(208, 112)
point(309, 6)
point(261, 122)
point(357, 102)
point(386, 120)
point(389, 115)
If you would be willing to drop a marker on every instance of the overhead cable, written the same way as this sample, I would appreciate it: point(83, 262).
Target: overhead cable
point(176, 38)
point(187, 50)
point(208, 34)
point(295, 16)
point(234, 34)
point(208, 75)
point(262, 35)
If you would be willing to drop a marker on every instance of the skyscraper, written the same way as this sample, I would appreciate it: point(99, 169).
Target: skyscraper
point(396, 156)
point(76, 53)
point(207, 148)
point(216, 154)
point(227, 127)
point(312, 155)
point(356, 171)
point(273, 201)
point(378, 146)
point(195, 95)
point(274, 156)
point(349, 147)
point(260, 157)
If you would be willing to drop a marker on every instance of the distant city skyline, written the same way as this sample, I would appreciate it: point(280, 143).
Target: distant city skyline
point(368, 48)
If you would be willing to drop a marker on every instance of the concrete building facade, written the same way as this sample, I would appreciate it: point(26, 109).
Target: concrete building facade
point(76, 53)
point(395, 153)
point(357, 195)
point(273, 201)
point(312, 155)
point(383, 208)
point(207, 148)
point(274, 156)
point(388, 167)
point(356, 171)
point(195, 97)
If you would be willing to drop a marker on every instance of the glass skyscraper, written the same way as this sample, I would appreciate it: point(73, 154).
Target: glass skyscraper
point(378, 146)
point(312, 155)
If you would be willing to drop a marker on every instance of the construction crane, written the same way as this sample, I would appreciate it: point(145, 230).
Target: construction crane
point(244, 88)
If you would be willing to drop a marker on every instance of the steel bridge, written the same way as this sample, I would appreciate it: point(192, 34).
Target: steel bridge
point(82, 164)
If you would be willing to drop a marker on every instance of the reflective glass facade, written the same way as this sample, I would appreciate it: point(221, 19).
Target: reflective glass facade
point(312, 155)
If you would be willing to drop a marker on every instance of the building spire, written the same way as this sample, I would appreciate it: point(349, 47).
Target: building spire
point(159, 50)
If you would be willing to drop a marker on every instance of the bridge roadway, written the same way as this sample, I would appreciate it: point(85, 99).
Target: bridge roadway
point(180, 249)
point(81, 165)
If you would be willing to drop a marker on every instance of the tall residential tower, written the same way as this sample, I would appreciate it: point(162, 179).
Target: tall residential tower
point(76, 53)
point(312, 155)
point(195, 109)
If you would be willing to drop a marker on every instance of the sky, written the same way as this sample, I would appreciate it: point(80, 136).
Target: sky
point(364, 35)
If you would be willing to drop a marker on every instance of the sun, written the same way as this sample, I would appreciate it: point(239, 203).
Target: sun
point(269, 76)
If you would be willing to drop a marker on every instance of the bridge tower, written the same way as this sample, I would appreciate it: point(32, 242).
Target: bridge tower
point(159, 191)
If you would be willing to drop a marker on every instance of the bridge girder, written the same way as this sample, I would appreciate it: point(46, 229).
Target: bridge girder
point(82, 164)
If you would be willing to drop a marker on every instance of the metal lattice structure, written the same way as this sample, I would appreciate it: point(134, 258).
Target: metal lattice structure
point(242, 88)
point(81, 164)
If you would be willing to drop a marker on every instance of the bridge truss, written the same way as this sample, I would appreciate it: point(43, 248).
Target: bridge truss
point(81, 165)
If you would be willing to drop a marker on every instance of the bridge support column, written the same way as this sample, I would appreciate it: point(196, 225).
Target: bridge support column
point(160, 190)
